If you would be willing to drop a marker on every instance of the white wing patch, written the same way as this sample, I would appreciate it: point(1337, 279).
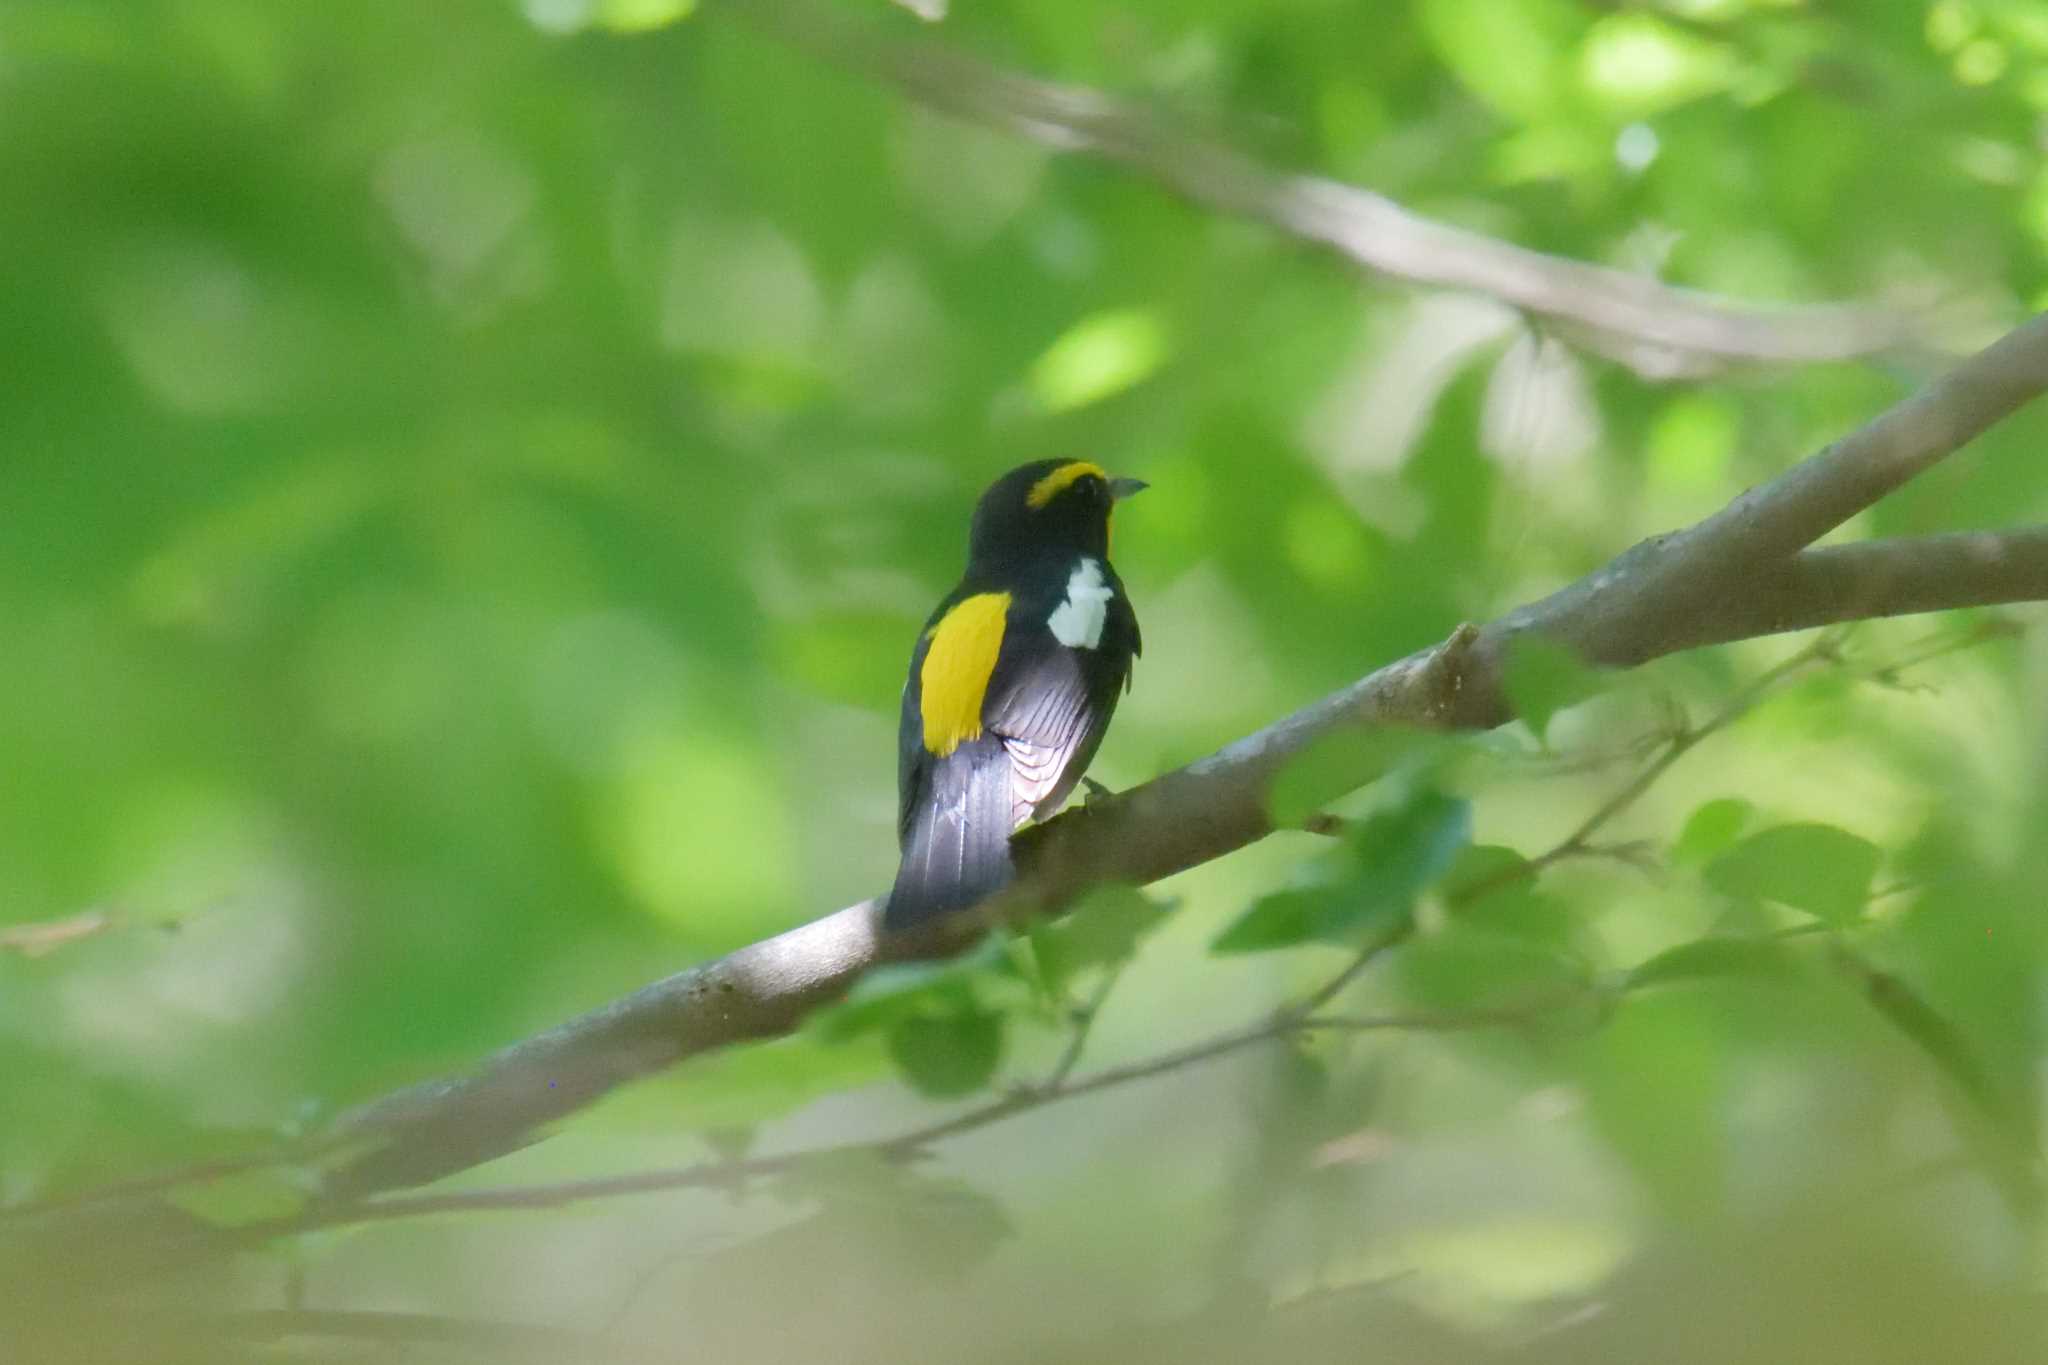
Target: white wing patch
point(1077, 622)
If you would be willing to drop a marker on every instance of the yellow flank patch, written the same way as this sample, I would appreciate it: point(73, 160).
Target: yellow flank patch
point(957, 667)
point(1048, 488)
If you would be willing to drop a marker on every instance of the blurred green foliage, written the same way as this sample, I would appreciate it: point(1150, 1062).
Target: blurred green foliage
point(470, 475)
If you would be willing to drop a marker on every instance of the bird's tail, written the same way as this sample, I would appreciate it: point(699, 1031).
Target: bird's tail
point(956, 846)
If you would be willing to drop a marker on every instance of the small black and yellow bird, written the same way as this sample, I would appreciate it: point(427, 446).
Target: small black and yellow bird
point(1012, 683)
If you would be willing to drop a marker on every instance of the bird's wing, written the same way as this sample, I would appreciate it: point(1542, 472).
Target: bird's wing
point(1051, 704)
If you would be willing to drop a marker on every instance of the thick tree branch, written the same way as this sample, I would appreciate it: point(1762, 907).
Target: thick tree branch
point(1837, 583)
point(1309, 1014)
point(1726, 578)
point(1653, 327)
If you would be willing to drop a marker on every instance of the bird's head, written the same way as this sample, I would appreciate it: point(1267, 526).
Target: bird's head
point(1048, 506)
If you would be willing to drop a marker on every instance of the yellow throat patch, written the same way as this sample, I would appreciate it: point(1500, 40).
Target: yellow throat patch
point(1049, 487)
point(957, 667)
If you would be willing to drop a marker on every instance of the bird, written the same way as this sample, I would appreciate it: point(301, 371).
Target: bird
point(1012, 684)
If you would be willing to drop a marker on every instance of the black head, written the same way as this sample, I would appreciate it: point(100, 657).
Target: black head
point(1048, 505)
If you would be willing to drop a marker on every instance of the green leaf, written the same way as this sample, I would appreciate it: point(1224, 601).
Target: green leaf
point(1102, 930)
point(1711, 829)
point(1467, 969)
point(1657, 1078)
point(897, 990)
point(1820, 869)
point(738, 1087)
point(1544, 677)
point(1385, 862)
point(1509, 52)
point(1282, 920)
point(1715, 958)
point(1099, 357)
point(1490, 888)
point(1636, 64)
point(1341, 763)
point(948, 1055)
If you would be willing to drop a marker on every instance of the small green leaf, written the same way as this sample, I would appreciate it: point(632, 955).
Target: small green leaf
point(1711, 829)
point(1281, 920)
point(1820, 869)
point(1634, 65)
point(1512, 55)
point(1385, 862)
point(1103, 929)
point(1099, 357)
point(891, 992)
point(1714, 958)
point(1341, 763)
point(949, 1054)
point(736, 1088)
point(1468, 969)
point(1544, 677)
point(1490, 887)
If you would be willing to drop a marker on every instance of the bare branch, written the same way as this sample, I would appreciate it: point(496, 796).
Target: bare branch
point(1655, 328)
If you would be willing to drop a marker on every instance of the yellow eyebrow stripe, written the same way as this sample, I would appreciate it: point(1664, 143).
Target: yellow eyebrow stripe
point(957, 667)
point(1048, 488)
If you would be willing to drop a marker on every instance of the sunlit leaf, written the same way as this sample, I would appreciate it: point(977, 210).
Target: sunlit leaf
point(1099, 357)
point(1508, 51)
point(1636, 64)
point(1711, 830)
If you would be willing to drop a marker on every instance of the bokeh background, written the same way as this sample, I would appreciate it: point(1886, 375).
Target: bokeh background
point(470, 475)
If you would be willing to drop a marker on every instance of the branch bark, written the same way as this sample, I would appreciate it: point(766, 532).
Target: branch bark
point(1656, 329)
point(1740, 573)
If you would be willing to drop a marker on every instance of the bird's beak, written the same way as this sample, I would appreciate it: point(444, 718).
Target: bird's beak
point(1119, 489)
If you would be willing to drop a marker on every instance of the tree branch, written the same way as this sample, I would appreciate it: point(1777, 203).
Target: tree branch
point(1728, 577)
point(1838, 583)
point(1309, 1014)
point(1655, 328)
